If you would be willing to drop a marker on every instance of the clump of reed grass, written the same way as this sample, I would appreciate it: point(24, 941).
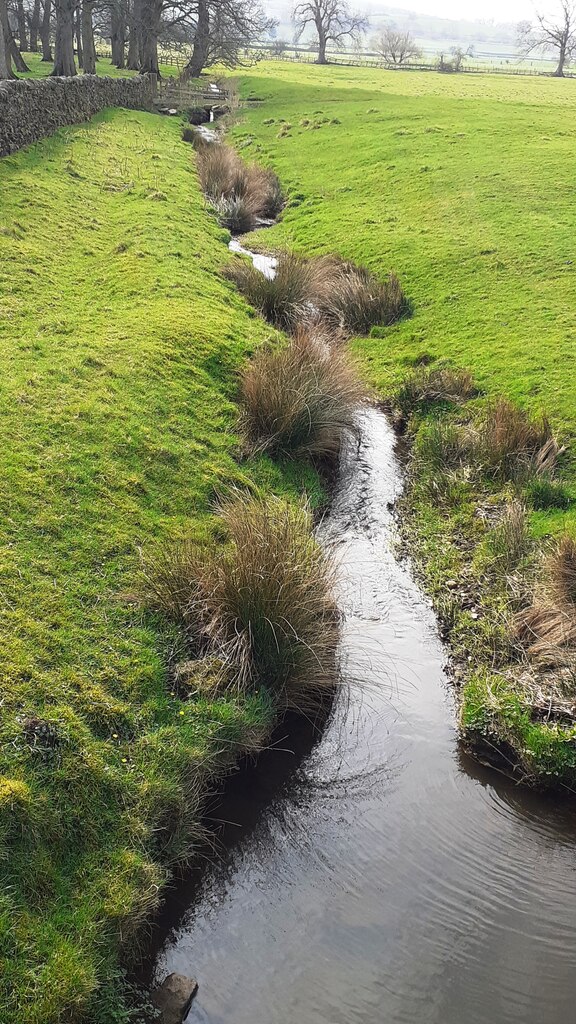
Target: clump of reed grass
point(329, 292)
point(514, 445)
point(349, 297)
point(231, 184)
point(560, 571)
point(509, 544)
point(428, 384)
point(283, 300)
point(549, 624)
point(235, 214)
point(301, 398)
point(262, 604)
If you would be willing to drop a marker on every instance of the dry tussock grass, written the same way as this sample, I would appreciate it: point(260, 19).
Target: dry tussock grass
point(234, 186)
point(301, 399)
point(513, 445)
point(350, 298)
point(549, 624)
point(263, 605)
point(283, 300)
point(427, 384)
point(334, 295)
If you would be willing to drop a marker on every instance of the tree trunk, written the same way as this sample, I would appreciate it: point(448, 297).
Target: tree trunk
point(19, 62)
point(45, 32)
point(321, 42)
point(64, 49)
point(150, 11)
point(197, 62)
point(133, 61)
point(21, 16)
point(559, 73)
point(5, 61)
point(34, 26)
point(118, 35)
point(89, 50)
point(78, 34)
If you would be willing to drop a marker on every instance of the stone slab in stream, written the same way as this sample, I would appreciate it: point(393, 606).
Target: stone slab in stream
point(174, 998)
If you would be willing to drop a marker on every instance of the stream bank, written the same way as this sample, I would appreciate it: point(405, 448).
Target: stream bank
point(392, 878)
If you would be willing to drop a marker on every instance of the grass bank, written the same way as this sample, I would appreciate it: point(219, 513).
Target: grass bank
point(463, 186)
point(121, 343)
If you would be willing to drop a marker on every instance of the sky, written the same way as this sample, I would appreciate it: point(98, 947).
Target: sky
point(498, 10)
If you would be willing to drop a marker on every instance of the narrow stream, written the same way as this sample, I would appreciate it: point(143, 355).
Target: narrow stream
point(390, 879)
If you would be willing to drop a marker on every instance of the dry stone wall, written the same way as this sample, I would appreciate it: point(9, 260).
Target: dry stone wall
point(30, 109)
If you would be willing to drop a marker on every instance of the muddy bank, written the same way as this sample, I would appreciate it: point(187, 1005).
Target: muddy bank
point(392, 878)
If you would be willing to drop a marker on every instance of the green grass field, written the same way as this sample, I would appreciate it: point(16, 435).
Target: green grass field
point(463, 185)
point(104, 66)
point(120, 345)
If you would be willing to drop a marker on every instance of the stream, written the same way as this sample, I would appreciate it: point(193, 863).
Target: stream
point(378, 875)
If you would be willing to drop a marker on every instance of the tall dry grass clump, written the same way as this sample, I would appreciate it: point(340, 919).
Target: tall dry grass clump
point(549, 624)
point(262, 605)
point(349, 297)
point(514, 445)
point(240, 192)
point(330, 293)
point(561, 571)
point(283, 300)
point(301, 399)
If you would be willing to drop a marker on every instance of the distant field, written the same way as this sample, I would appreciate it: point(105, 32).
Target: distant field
point(465, 186)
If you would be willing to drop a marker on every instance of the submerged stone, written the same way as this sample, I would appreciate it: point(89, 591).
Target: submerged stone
point(174, 997)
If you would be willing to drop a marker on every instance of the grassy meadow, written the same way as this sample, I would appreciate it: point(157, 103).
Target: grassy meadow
point(104, 66)
point(462, 185)
point(120, 347)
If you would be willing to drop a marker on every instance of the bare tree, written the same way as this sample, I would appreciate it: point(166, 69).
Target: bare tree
point(118, 33)
point(552, 34)
point(333, 21)
point(223, 29)
point(22, 26)
point(14, 55)
point(396, 48)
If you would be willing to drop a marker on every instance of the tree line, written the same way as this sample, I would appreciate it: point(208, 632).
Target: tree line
point(63, 31)
point(212, 31)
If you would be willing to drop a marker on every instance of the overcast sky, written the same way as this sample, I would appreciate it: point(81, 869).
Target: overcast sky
point(499, 10)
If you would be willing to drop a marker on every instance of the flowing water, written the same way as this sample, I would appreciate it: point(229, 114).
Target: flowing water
point(382, 877)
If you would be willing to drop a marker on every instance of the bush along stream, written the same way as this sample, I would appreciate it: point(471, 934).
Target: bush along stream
point(386, 841)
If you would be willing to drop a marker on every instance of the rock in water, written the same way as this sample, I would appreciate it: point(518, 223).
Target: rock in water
point(174, 997)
